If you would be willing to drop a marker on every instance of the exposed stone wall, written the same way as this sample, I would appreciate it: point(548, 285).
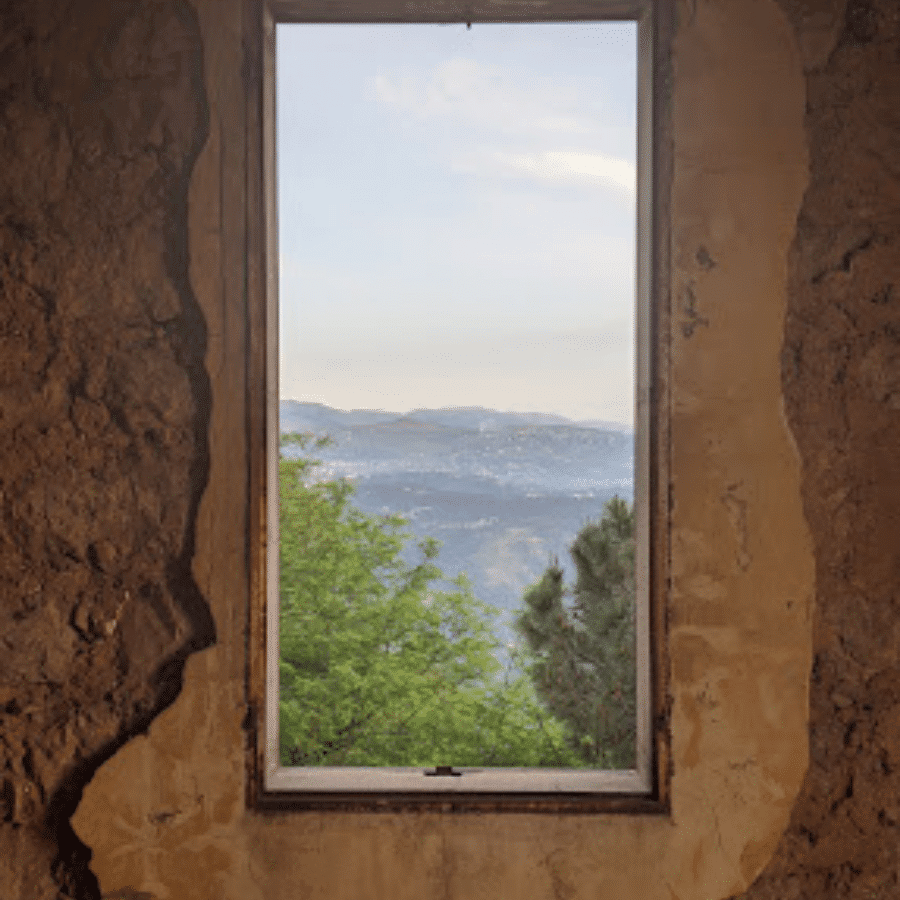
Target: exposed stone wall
point(103, 404)
point(841, 375)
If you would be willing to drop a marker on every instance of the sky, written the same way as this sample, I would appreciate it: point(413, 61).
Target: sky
point(456, 216)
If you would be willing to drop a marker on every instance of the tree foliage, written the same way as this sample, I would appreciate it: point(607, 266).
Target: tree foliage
point(581, 640)
point(379, 666)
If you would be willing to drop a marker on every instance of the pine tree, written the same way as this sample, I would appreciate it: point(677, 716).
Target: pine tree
point(581, 640)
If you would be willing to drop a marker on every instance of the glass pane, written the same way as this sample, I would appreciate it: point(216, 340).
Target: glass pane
point(456, 300)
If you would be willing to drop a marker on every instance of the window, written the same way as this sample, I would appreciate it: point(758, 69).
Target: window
point(423, 784)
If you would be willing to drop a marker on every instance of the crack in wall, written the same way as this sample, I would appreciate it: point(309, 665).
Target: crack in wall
point(104, 411)
point(839, 377)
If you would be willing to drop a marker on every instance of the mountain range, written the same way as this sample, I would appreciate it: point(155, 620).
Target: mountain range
point(504, 492)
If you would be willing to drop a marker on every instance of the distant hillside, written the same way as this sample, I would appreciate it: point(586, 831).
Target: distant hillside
point(504, 492)
point(297, 415)
point(316, 417)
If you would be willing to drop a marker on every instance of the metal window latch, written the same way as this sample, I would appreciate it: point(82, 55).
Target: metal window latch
point(443, 771)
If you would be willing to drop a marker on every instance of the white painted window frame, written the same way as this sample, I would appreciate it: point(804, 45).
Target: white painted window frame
point(336, 781)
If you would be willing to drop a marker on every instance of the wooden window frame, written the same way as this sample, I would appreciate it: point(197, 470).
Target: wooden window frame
point(266, 789)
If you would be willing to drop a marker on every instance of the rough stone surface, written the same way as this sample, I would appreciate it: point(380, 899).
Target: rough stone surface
point(103, 405)
point(841, 377)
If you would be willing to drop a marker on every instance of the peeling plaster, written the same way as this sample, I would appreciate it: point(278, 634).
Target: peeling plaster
point(741, 642)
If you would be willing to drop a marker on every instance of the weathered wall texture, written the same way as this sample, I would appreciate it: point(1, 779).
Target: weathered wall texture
point(103, 403)
point(166, 815)
point(785, 329)
point(841, 375)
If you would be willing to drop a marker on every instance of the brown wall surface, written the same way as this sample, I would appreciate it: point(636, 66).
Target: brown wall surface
point(123, 494)
point(841, 377)
point(104, 403)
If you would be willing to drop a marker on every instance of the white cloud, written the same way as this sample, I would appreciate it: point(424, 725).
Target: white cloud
point(561, 166)
point(467, 91)
point(517, 120)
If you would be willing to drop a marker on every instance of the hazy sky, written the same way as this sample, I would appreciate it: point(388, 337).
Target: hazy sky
point(456, 216)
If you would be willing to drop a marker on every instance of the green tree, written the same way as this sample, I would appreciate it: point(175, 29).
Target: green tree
point(580, 640)
point(378, 666)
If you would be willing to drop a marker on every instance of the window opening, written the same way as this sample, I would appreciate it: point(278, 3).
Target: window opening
point(456, 404)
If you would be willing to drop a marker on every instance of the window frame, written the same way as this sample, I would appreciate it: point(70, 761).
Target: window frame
point(645, 789)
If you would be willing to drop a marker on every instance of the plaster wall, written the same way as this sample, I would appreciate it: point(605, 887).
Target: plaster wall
point(123, 481)
point(166, 815)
